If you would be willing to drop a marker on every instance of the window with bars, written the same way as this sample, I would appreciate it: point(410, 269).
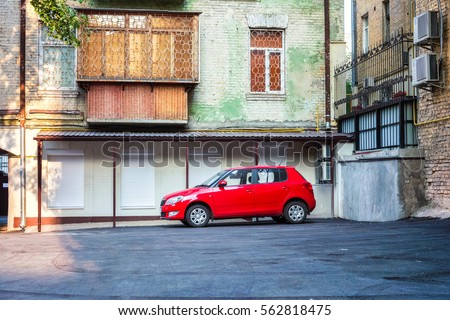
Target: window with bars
point(267, 61)
point(56, 63)
point(143, 46)
point(368, 131)
point(388, 127)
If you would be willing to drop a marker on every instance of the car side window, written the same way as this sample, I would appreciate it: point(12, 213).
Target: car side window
point(283, 175)
point(271, 175)
point(239, 177)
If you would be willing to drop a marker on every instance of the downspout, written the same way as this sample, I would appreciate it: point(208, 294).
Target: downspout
point(327, 66)
point(328, 87)
point(354, 42)
point(39, 184)
point(23, 17)
point(114, 173)
point(187, 164)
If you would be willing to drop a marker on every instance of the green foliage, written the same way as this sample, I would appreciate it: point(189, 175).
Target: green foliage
point(62, 21)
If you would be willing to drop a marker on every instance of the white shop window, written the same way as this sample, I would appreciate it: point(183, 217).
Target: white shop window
point(65, 180)
point(138, 182)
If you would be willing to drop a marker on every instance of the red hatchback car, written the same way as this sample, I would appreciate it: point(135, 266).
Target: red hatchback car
point(261, 191)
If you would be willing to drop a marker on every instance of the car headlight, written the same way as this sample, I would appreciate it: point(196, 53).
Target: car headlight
point(174, 200)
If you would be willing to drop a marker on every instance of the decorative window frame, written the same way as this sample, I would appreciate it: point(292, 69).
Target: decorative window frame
point(268, 22)
point(43, 89)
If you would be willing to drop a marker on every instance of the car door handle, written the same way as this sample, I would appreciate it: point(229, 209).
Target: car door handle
point(285, 188)
point(248, 190)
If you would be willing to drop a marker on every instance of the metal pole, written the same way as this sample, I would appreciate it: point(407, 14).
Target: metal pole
point(23, 17)
point(327, 66)
point(39, 182)
point(187, 165)
point(114, 191)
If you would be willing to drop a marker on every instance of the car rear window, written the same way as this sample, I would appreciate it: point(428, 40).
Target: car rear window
point(271, 175)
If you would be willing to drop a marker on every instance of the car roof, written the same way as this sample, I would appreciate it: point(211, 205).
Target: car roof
point(260, 167)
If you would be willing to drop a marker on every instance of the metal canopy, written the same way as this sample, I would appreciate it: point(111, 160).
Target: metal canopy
point(94, 135)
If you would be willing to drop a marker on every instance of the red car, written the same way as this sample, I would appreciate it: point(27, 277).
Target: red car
point(245, 192)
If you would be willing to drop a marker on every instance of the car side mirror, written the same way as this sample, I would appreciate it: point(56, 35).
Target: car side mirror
point(222, 184)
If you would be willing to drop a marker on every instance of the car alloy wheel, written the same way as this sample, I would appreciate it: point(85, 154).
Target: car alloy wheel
point(295, 212)
point(198, 216)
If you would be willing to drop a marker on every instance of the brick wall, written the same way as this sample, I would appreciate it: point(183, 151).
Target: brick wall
point(399, 18)
point(434, 133)
point(9, 54)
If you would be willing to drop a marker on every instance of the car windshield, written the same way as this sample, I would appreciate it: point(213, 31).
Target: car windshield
point(214, 179)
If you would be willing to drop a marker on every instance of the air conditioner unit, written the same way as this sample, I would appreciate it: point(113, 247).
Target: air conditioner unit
point(368, 82)
point(426, 27)
point(424, 69)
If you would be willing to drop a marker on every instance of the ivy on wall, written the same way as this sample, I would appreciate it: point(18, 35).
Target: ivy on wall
point(61, 19)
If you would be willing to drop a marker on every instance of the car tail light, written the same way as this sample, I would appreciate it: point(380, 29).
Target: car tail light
point(309, 187)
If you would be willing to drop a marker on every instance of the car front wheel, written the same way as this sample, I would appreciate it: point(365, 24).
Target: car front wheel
point(198, 216)
point(295, 212)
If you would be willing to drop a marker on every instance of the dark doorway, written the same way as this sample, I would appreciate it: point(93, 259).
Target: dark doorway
point(3, 185)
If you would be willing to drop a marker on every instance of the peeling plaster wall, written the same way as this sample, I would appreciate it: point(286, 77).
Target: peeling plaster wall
point(223, 99)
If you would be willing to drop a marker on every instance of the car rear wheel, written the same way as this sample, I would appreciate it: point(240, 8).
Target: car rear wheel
point(198, 216)
point(295, 212)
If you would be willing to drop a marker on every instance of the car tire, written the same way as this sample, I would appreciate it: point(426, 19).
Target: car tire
point(184, 222)
point(198, 216)
point(295, 212)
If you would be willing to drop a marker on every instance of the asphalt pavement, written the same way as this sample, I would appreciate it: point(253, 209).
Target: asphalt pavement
point(320, 259)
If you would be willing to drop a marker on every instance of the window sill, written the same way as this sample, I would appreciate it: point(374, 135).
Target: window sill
point(59, 93)
point(265, 97)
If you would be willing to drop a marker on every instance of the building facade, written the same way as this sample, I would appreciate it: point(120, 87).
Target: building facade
point(433, 112)
point(158, 97)
point(383, 179)
point(399, 118)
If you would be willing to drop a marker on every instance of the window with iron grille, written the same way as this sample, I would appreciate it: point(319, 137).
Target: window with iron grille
point(387, 127)
point(56, 63)
point(139, 46)
point(267, 61)
point(368, 131)
point(390, 126)
point(409, 127)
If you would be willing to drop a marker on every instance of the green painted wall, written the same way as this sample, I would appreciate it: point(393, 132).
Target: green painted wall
point(223, 98)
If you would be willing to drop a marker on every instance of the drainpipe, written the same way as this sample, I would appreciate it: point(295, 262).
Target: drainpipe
point(187, 164)
point(39, 184)
point(23, 16)
point(354, 44)
point(114, 204)
point(327, 66)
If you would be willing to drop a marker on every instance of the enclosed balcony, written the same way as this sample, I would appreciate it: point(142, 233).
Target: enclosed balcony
point(137, 66)
point(375, 97)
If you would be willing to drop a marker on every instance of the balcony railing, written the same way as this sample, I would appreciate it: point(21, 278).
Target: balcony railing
point(139, 46)
point(381, 77)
